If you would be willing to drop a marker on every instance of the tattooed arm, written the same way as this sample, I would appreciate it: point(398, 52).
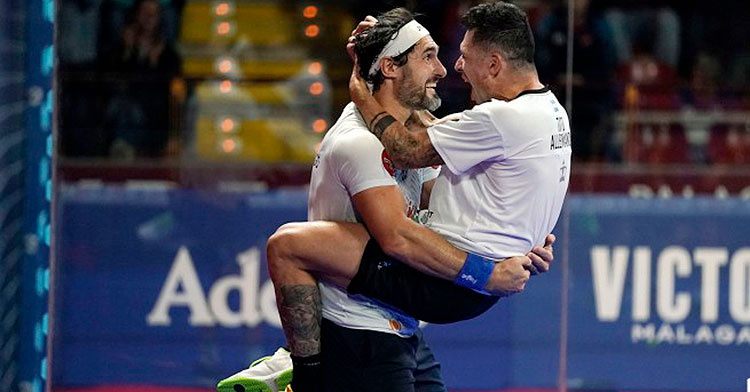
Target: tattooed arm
point(408, 145)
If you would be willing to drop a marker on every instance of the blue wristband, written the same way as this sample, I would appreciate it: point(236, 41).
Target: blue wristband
point(475, 273)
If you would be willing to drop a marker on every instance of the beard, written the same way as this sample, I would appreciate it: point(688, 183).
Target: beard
point(414, 96)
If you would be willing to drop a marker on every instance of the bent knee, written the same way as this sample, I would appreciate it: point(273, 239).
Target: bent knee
point(280, 247)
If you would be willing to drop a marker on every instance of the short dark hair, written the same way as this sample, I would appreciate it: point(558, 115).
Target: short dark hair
point(371, 42)
point(505, 27)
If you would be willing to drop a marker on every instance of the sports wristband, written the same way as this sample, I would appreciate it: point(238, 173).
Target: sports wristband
point(475, 273)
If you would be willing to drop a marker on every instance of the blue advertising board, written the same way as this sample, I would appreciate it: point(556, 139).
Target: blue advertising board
point(659, 293)
point(169, 288)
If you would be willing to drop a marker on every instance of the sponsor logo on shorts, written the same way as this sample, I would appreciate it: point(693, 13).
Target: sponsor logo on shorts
point(383, 264)
point(395, 325)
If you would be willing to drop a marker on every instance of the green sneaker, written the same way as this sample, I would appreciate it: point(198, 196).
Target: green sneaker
point(267, 374)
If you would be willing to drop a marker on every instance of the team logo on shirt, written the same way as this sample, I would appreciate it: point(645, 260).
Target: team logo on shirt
point(562, 138)
point(388, 164)
point(411, 210)
point(423, 217)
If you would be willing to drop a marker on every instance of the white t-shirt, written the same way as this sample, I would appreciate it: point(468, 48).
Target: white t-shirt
point(351, 160)
point(506, 172)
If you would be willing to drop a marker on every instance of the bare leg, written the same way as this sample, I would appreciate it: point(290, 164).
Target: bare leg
point(298, 253)
point(301, 253)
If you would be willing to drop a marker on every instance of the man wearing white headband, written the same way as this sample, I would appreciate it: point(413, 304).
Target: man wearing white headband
point(403, 40)
point(369, 346)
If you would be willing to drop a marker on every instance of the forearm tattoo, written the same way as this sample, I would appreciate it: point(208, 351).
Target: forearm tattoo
point(369, 126)
point(405, 147)
point(408, 152)
point(382, 125)
point(300, 311)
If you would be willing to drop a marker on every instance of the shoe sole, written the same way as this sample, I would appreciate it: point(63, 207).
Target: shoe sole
point(251, 385)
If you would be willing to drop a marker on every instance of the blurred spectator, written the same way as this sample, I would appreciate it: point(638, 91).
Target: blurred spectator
point(740, 71)
point(592, 72)
point(631, 19)
point(79, 23)
point(81, 103)
point(113, 16)
point(703, 89)
point(140, 69)
point(723, 31)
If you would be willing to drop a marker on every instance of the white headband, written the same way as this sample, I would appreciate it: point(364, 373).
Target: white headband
point(400, 42)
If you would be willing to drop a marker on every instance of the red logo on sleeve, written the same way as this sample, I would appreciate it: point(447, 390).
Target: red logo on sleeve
point(388, 164)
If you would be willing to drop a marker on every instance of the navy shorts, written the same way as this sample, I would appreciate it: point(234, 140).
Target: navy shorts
point(424, 297)
point(369, 361)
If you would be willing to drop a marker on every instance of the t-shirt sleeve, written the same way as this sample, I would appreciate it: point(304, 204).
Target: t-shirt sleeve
point(361, 163)
point(468, 141)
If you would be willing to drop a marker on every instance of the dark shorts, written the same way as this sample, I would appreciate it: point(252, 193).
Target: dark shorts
point(369, 361)
point(424, 297)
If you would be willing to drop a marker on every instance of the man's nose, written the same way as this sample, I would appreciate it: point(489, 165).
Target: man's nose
point(440, 72)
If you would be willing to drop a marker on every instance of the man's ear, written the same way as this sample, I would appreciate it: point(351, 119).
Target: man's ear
point(389, 69)
point(496, 63)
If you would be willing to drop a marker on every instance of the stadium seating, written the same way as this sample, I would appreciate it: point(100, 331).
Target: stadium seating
point(729, 144)
point(254, 92)
point(657, 143)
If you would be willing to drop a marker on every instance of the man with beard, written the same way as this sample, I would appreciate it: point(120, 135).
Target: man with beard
point(370, 346)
